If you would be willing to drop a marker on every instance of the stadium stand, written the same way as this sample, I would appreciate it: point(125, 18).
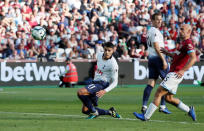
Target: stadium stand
point(77, 28)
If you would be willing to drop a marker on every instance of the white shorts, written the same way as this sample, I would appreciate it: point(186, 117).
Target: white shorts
point(171, 83)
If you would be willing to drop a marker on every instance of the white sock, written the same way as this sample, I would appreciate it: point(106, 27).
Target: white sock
point(183, 107)
point(162, 107)
point(144, 106)
point(152, 108)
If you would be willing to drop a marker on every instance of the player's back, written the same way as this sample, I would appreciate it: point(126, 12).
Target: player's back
point(105, 68)
point(154, 35)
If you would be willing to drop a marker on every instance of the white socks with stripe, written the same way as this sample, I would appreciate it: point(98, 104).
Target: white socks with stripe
point(152, 108)
point(183, 107)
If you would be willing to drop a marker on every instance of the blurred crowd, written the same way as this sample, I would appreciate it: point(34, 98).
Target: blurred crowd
point(78, 29)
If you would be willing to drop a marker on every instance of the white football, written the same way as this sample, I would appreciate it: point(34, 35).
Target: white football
point(38, 33)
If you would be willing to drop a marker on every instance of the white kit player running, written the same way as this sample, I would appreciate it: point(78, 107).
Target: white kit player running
point(106, 78)
point(157, 63)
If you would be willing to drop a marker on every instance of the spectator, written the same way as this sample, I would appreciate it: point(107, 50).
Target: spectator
point(93, 22)
point(21, 50)
point(125, 55)
point(15, 56)
point(84, 52)
point(42, 57)
point(8, 49)
point(74, 54)
point(73, 41)
point(51, 55)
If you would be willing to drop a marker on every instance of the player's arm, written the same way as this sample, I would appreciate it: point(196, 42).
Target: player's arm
point(164, 51)
point(114, 81)
point(157, 49)
point(190, 63)
point(113, 84)
point(66, 70)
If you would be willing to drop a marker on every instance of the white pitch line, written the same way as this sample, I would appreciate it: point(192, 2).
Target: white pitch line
point(79, 116)
point(8, 92)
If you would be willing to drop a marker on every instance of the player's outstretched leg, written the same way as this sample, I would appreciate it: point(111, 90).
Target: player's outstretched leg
point(113, 113)
point(179, 104)
point(153, 106)
point(192, 113)
point(146, 94)
point(83, 95)
point(163, 107)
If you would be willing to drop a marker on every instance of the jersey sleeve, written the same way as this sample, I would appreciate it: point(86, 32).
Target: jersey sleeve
point(189, 48)
point(114, 77)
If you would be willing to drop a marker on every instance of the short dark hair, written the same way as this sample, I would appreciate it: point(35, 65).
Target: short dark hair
point(109, 44)
point(157, 13)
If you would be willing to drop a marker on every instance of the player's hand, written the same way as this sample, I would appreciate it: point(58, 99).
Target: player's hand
point(179, 74)
point(100, 93)
point(165, 65)
point(163, 50)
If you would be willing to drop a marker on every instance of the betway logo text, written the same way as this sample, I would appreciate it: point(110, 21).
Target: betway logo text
point(194, 73)
point(30, 72)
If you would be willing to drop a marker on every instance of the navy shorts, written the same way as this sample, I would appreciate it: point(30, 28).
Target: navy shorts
point(155, 66)
point(96, 86)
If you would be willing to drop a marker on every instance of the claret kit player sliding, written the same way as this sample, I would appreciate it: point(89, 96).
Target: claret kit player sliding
point(105, 79)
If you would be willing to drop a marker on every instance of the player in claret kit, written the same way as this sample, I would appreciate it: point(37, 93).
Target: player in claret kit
point(105, 79)
point(183, 59)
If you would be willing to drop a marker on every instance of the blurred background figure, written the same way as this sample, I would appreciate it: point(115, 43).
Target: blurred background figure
point(70, 77)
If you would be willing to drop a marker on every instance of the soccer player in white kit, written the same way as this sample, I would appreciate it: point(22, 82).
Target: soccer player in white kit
point(105, 79)
point(157, 62)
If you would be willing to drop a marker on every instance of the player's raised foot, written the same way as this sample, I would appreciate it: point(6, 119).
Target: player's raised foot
point(93, 115)
point(114, 113)
point(139, 116)
point(144, 109)
point(165, 110)
point(191, 113)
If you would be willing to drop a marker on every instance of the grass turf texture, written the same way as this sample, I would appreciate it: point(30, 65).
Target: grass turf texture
point(58, 109)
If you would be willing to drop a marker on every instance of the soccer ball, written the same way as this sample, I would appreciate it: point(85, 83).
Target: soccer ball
point(38, 33)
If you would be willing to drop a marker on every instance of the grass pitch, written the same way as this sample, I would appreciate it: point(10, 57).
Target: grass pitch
point(56, 109)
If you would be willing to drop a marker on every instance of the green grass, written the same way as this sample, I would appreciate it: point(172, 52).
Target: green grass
point(55, 109)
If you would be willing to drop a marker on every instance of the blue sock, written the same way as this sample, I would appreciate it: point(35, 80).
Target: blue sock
point(102, 111)
point(163, 102)
point(87, 102)
point(86, 112)
point(147, 93)
point(94, 100)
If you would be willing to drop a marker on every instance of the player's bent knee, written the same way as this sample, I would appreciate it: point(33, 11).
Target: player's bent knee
point(82, 91)
point(85, 112)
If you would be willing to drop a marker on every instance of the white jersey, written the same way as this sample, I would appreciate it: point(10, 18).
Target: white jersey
point(154, 35)
point(107, 70)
